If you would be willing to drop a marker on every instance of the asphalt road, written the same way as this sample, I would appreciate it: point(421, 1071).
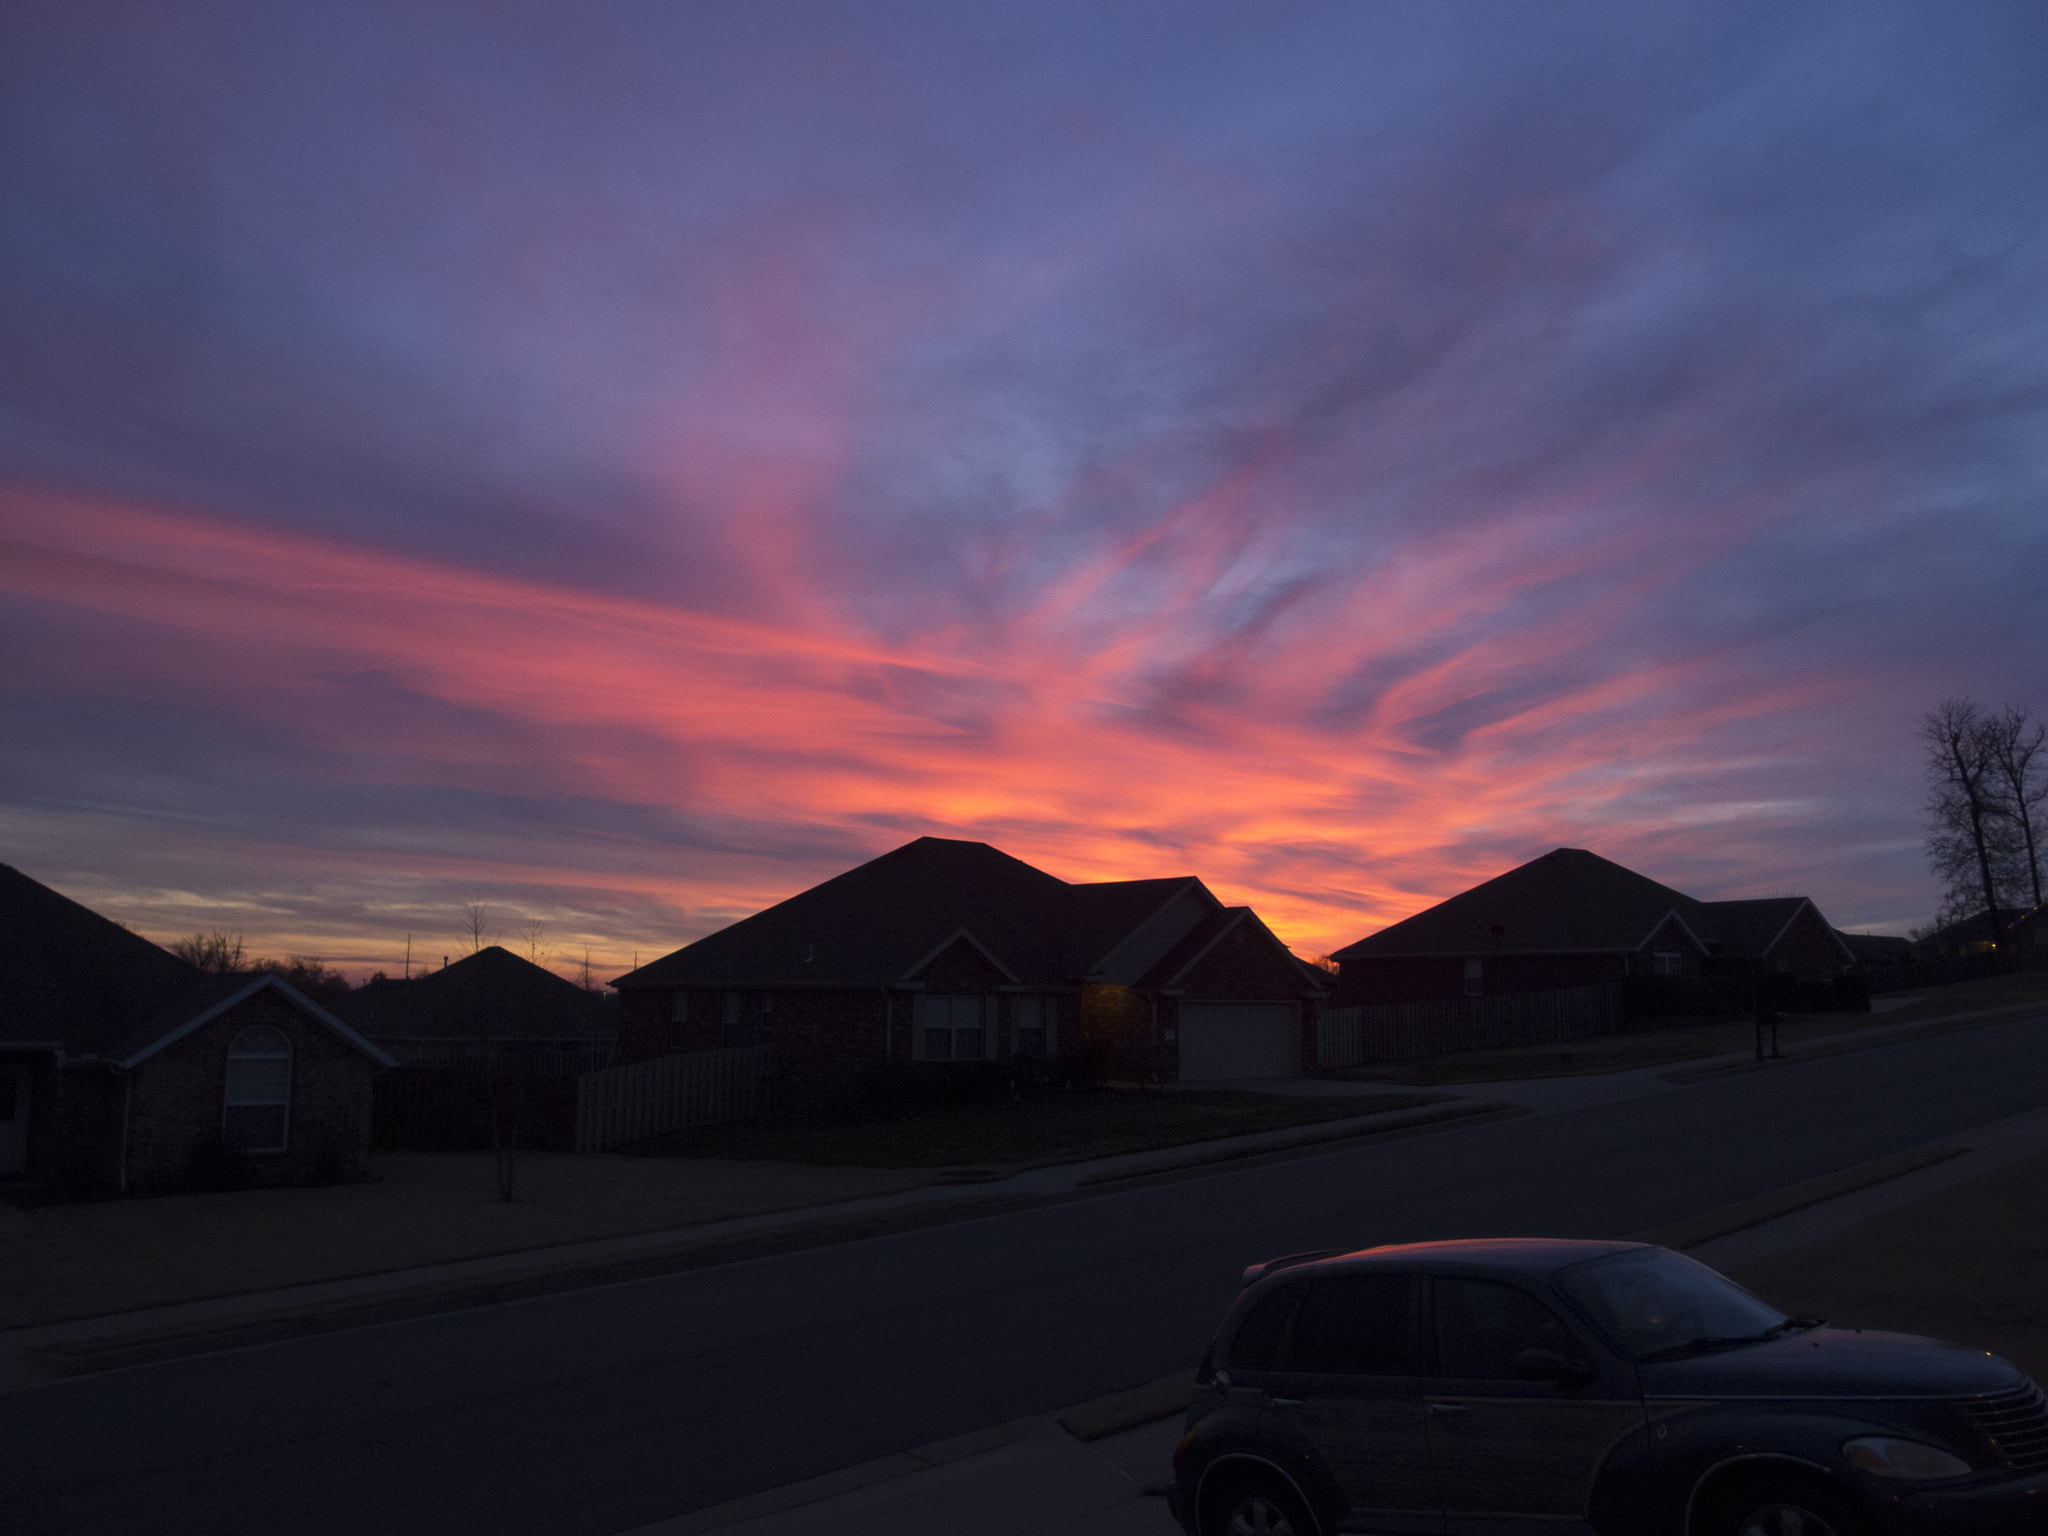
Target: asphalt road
point(596, 1411)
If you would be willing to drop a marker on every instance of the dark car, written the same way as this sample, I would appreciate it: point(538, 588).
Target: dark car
point(1487, 1387)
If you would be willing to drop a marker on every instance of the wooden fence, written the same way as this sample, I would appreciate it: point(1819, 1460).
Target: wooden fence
point(1349, 1037)
point(648, 1098)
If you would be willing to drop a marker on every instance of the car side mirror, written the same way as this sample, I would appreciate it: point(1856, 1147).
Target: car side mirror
point(1547, 1365)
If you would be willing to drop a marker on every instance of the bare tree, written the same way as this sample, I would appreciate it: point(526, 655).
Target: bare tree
point(583, 977)
point(2013, 745)
point(475, 928)
point(218, 952)
point(533, 931)
point(1962, 808)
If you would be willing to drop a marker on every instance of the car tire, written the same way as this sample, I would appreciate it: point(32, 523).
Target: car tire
point(1787, 1507)
point(1255, 1504)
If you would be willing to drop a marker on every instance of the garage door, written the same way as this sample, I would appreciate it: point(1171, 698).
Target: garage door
point(1224, 1040)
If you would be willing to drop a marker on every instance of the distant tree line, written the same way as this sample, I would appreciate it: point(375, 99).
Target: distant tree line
point(1987, 775)
point(223, 953)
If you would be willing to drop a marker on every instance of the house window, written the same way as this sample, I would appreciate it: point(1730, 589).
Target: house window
point(1475, 975)
point(679, 1008)
point(951, 1028)
point(259, 1091)
point(1667, 962)
point(1031, 1026)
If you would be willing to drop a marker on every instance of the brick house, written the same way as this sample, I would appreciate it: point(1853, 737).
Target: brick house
point(1573, 919)
point(489, 1046)
point(947, 954)
point(123, 1069)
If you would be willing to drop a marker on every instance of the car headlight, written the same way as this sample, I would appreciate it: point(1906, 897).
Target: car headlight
point(1886, 1457)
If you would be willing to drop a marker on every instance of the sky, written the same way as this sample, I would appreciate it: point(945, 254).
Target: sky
point(624, 464)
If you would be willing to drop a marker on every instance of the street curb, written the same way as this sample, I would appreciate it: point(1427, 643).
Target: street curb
point(1744, 1214)
point(1364, 1128)
point(1876, 1038)
point(1130, 1409)
point(120, 1343)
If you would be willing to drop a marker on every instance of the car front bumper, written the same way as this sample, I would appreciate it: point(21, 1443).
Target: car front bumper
point(2010, 1506)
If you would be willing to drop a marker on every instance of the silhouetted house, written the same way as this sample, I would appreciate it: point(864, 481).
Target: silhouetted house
point(489, 1006)
point(488, 1049)
point(945, 954)
point(1572, 919)
point(1878, 953)
point(1972, 935)
point(2027, 938)
point(124, 1068)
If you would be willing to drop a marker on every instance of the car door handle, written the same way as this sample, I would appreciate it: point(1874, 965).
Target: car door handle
point(1449, 1410)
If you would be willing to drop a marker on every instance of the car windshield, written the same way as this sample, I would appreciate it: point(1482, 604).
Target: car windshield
point(1651, 1302)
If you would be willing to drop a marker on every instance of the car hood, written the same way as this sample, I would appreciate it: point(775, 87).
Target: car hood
point(1834, 1362)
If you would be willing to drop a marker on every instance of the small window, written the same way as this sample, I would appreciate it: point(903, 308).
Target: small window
point(951, 1028)
point(730, 1013)
point(1031, 1031)
point(679, 1008)
point(1668, 962)
point(1356, 1325)
point(1256, 1344)
point(259, 1091)
point(1475, 976)
point(1483, 1325)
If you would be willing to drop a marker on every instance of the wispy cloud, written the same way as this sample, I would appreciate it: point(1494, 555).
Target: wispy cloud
point(641, 466)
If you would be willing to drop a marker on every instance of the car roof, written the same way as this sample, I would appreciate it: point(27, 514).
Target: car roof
point(1535, 1256)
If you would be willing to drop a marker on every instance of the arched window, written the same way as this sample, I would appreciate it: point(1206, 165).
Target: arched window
point(259, 1091)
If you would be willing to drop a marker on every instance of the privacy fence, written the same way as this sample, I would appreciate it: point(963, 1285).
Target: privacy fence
point(668, 1093)
point(559, 1100)
point(1350, 1037)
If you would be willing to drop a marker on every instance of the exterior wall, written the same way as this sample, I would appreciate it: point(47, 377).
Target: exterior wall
point(74, 1124)
point(179, 1094)
point(1670, 937)
point(1428, 978)
point(1120, 1034)
point(1807, 950)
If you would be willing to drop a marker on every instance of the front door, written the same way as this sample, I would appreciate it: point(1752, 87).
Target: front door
point(13, 1119)
point(1509, 1450)
point(1350, 1384)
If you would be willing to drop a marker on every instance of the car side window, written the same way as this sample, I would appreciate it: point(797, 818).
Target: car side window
point(1355, 1325)
point(1256, 1344)
point(1482, 1325)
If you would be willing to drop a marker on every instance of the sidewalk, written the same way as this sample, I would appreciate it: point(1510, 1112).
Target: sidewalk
point(1084, 1472)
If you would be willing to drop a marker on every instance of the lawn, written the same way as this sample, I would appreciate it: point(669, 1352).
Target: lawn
point(1061, 1127)
point(1965, 1263)
point(1693, 1040)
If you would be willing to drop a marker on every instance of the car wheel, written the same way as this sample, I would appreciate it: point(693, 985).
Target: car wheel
point(1785, 1509)
point(1255, 1505)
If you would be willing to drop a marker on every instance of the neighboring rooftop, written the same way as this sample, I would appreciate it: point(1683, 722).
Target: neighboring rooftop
point(70, 977)
point(1572, 901)
point(492, 994)
point(873, 925)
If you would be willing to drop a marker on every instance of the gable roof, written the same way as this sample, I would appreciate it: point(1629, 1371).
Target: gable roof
point(1173, 967)
point(1754, 926)
point(1569, 901)
point(73, 979)
point(490, 995)
point(213, 996)
point(878, 923)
